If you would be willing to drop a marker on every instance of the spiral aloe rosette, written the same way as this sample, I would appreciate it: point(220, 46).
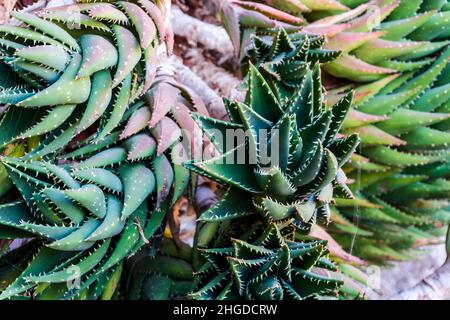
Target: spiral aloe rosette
point(87, 217)
point(288, 190)
point(149, 129)
point(296, 180)
point(80, 65)
point(284, 59)
point(134, 173)
point(77, 223)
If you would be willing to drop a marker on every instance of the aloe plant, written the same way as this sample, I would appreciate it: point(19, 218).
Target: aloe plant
point(401, 171)
point(269, 265)
point(66, 88)
point(94, 133)
point(398, 68)
point(259, 248)
point(246, 242)
point(76, 224)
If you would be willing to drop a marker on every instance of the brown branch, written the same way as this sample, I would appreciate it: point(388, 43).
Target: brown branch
point(212, 101)
point(201, 33)
point(434, 287)
point(223, 82)
point(402, 276)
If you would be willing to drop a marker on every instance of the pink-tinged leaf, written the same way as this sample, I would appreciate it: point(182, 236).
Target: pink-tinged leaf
point(151, 62)
point(94, 46)
point(356, 119)
point(79, 7)
point(365, 92)
point(270, 12)
point(164, 6)
point(350, 67)
point(230, 20)
point(161, 99)
point(332, 98)
point(287, 26)
point(106, 11)
point(137, 122)
point(295, 6)
point(129, 53)
point(170, 39)
point(143, 23)
point(166, 132)
point(348, 41)
point(325, 30)
point(371, 135)
point(246, 42)
point(164, 178)
point(248, 18)
point(372, 18)
point(140, 146)
point(197, 102)
point(157, 16)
